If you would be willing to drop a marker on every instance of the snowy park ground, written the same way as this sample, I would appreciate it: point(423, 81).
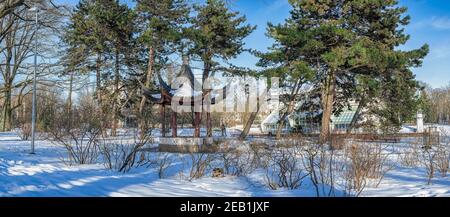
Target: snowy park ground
point(44, 175)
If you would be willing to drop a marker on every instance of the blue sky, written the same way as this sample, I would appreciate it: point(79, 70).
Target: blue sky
point(430, 24)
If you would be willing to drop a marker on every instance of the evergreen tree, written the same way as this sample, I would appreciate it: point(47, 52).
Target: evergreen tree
point(399, 101)
point(162, 27)
point(425, 105)
point(86, 44)
point(118, 23)
point(217, 35)
point(348, 44)
point(101, 33)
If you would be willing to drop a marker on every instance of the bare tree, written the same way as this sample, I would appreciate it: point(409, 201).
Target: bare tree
point(8, 6)
point(19, 33)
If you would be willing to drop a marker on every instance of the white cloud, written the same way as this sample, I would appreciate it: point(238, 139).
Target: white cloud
point(441, 23)
point(438, 23)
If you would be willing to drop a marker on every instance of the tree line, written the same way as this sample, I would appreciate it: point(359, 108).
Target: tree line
point(435, 104)
point(346, 50)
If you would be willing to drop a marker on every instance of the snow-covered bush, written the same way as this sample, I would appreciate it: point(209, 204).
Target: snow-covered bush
point(24, 131)
point(199, 163)
point(113, 153)
point(162, 161)
point(284, 168)
point(77, 131)
point(409, 157)
point(427, 159)
point(80, 144)
point(435, 158)
point(442, 159)
point(121, 153)
point(319, 162)
point(443, 153)
point(258, 152)
point(237, 161)
point(365, 162)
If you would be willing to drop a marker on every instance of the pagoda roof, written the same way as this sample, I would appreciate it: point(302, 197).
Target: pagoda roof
point(165, 93)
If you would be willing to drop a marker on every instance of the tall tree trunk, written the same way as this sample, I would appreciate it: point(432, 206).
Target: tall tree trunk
point(282, 121)
point(23, 111)
point(197, 120)
point(208, 124)
point(289, 110)
point(327, 106)
point(250, 119)
point(8, 78)
point(69, 97)
point(69, 100)
point(148, 78)
point(248, 124)
point(99, 92)
point(356, 115)
point(116, 96)
point(98, 80)
point(206, 71)
point(163, 120)
point(7, 110)
point(174, 124)
point(223, 127)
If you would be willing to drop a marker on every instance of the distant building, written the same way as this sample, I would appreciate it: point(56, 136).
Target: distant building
point(306, 122)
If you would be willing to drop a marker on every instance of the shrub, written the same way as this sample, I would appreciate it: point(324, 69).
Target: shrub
point(237, 161)
point(200, 163)
point(77, 131)
point(284, 169)
point(24, 131)
point(365, 162)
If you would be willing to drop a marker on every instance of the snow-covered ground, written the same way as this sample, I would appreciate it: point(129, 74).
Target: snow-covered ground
point(413, 129)
point(43, 174)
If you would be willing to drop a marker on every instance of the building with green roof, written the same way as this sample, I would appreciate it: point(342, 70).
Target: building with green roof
point(306, 122)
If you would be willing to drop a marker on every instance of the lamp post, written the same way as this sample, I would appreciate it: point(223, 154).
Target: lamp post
point(33, 110)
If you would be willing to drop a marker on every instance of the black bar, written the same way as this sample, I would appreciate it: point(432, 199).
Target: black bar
point(227, 206)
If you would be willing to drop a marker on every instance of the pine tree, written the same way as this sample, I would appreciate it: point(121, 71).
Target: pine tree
point(382, 22)
point(118, 23)
point(162, 27)
point(102, 32)
point(86, 44)
point(425, 104)
point(348, 44)
point(216, 34)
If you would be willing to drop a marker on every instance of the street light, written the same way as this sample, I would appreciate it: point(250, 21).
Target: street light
point(33, 110)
